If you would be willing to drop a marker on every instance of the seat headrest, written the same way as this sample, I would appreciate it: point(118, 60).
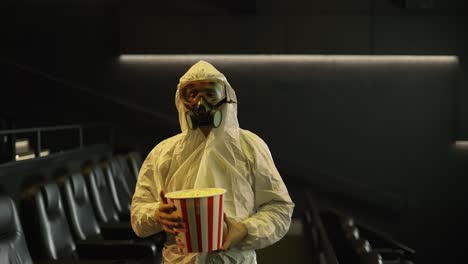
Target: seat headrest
point(7, 217)
point(99, 176)
point(78, 186)
point(51, 195)
point(115, 165)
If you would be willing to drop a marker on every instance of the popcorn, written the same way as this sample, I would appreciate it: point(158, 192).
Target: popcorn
point(195, 193)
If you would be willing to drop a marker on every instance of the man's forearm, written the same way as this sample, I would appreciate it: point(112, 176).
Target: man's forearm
point(268, 225)
point(143, 221)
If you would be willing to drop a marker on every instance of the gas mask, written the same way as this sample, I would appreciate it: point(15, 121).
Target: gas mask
point(204, 114)
point(203, 100)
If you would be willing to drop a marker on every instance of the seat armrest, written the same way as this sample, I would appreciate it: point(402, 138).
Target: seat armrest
point(120, 231)
point(160, 238)
point(120, 224)
point(115, 249)
point(390, 254)
point(124, 216)
point(117, 231)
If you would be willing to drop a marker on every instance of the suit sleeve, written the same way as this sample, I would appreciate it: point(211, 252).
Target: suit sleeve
point(273, 203)
point(145, 200)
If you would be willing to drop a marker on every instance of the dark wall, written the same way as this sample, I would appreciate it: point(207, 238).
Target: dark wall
point(35, 100)
point(54, 56)
point(383, 27)
point(72, 40)
point(298, 26)
point(78, 42)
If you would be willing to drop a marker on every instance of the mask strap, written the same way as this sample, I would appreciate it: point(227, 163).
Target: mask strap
point(225, 100)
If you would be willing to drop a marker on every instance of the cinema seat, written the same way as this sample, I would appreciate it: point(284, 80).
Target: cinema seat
point(81, 216)
point(135, 161)
point(126, 172)
point(119, 187)
point(104, 207)
point(47, 221)
point(78, 206)
point(101, 196)
point(112, 225)
point(390, 250)
point(121, 167)
point(13, 248)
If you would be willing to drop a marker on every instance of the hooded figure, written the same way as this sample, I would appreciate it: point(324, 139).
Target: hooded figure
point(228, 157)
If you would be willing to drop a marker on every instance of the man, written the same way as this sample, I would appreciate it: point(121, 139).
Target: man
point(212, 151)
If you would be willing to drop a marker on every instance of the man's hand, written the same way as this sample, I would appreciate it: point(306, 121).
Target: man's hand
point(166, 217)
point(233, 233)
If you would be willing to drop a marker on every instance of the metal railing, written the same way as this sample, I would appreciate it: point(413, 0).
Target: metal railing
point(39, 133)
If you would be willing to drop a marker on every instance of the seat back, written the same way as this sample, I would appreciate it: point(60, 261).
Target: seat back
point(80, 212)
point(126, 173)
point(135, 162)
point(119, 188)
point(13, 249)
point(57, 239)
point(101, 196)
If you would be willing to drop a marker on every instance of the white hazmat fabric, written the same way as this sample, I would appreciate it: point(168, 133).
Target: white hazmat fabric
point(229, 157)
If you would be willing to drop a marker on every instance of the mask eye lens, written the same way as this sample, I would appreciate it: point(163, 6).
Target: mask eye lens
point(210, 93)
point(192, 94)
point(189, 95)
point(213, 92)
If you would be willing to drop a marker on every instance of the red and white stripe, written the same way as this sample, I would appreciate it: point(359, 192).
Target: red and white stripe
point(203, 221)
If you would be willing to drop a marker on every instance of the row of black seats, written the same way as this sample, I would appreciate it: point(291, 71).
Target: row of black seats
point(78, 217)
point(355, 247)
point(337, 239)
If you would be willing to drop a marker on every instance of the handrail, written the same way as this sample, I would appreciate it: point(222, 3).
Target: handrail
point(35, 129)
point(326, 245)
point(39, 130)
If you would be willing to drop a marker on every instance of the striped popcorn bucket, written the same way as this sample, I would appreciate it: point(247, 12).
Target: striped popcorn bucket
point(202, 215)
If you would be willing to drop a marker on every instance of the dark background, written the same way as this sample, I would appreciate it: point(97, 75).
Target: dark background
point(60, 65)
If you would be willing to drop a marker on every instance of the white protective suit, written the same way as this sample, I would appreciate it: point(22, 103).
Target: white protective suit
point(230, 158)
